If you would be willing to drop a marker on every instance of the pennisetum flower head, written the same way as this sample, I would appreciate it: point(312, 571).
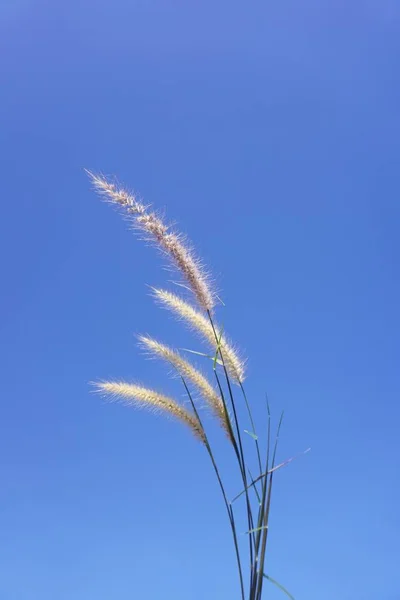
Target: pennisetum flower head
point(173, 245)
point(144, 397)
point(203, 326)
point(190, 373)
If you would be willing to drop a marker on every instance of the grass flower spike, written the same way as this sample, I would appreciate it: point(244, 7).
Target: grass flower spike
point(144, 397)
point(172, 244)
point(190, 373)
point(202, 325)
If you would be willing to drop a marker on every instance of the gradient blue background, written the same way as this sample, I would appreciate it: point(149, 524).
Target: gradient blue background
point(271, 132)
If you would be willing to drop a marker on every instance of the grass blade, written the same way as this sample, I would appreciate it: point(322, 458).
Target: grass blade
point(251, 434)
point(257, 529)
point(202, 354)
point(288, 461)
point(279, 585)
point(254, 481)
point(255, 487)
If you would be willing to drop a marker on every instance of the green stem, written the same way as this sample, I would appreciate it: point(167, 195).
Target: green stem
point(240, 455)
point(260, 571)
point(221, 485)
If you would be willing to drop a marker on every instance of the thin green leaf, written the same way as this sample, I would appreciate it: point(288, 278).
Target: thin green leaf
point(202, 354)
point(279, 585)
point(248, 487)
point(255, 487)
point(253, 426)
point(288, 461)
point(257, 529)
point(277, 439)
point(257, 479)
point(218, 349)
point(251, 434)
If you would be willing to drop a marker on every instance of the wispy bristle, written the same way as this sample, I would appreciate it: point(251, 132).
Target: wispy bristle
point(141, 396)
point(116, 195)
point(199, 323)
point(172, 244)
point(189, 372)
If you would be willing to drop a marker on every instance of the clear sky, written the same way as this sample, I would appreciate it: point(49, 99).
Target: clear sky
point(270, 131)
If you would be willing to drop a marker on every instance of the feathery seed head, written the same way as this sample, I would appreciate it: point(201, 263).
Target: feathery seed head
point(140, 396)
point(189, 372)
point(201, 325)
point(172, 245)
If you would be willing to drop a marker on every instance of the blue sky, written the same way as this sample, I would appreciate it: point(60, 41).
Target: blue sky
point(270, 131)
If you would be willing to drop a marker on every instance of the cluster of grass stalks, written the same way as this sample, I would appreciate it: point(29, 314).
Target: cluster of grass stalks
point(224, 397)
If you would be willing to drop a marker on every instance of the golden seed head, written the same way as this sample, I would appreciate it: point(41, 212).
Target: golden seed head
point(190, 373)
point(144, 397)
point(174, 246)
point(202, 325)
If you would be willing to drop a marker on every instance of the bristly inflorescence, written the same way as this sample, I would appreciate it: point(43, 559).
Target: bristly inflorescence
point(170, 243)
point(203, 327)
point(144, 397)
point(192, 375)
